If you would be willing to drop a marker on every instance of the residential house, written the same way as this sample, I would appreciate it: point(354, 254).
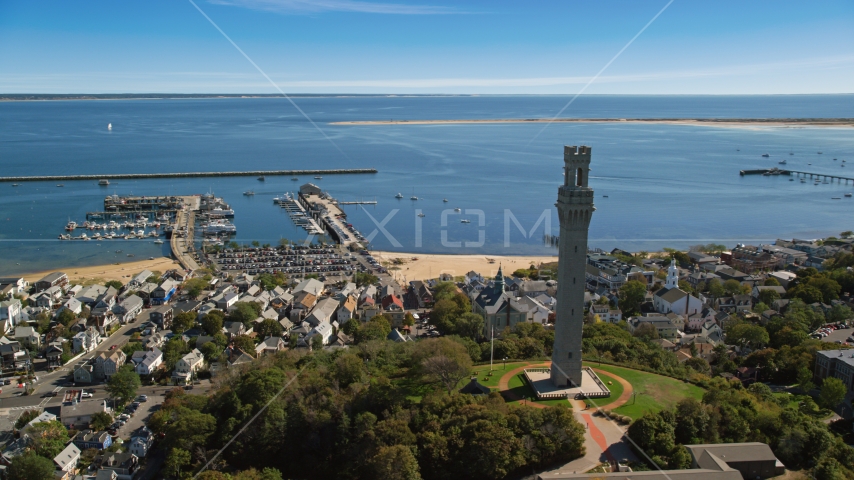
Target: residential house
point(393, 307)
point(50, 298)
point(322, 312)
point(734, 304)
point(106, 365)
point(144, 292)
point(233, 329)
point(666, 327)
point(28, 337)
point(187, 366)
point(423, 293)
point(163, 293)
point(84, 374)
point(59, 279)
point(751, 460)
point(90, 439)
point(369, 292)
point(10, 311)
point(162, 316)
point(396, 336)
point(128, 309)
point(124, 464)
point(606, 313)
point(347, 310)
point(53, 354)
point(302, 304)
point(78, 415)
point(270, 345)
point(311, 285)
point(156, 340)
point(227, 299)
point(147, 361)
point(86, 341)
point(14, 285)
point(90, 295)
point(14, 357)
point(781, 291)
point(324, 330)
point(139, 280)
point(141, 441)
point(66, 461)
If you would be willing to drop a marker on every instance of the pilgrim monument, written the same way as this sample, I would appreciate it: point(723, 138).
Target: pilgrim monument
point(575, 208)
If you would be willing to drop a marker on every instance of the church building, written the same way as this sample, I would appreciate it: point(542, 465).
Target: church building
point(499, 308)
point(672, 299)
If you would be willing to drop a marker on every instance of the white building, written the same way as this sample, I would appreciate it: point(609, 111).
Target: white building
point(86, 341)
point(10, 310)
point(187, 366)
point(672, 299)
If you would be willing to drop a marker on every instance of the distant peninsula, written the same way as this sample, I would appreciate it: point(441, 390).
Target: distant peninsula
point(24, 97)
point(714, 122)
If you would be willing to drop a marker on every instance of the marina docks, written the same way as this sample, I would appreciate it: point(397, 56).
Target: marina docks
point(143, 176)
point(298, 214)
point(325, 210)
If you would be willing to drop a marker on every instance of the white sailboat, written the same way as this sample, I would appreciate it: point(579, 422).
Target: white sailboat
point(109, 126)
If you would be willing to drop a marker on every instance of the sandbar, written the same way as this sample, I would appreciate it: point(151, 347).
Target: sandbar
point(121, 272)
point(432, 265)
point(704, 122)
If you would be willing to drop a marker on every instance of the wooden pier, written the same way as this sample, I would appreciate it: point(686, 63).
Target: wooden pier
point(143, 176)
point(797, 173)
point(360, 202)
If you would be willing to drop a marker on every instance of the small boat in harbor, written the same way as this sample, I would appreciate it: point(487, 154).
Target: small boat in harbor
point(457, 210)
point(836, 198)
point(604, 196)
point(398, 196)
point(782, 162)
point(15, 184)
point(791, 179)
point(261, 179)
point(465, 221)
point(60, 185)
point(109, 126)
point(445, 200)
point(819, 153)
point(421, 215)
point(159, 241)
point(766, 155)
point(249, 193)
point(103, 182)
point(318, 177)
point(294, 179)
point(848, 195)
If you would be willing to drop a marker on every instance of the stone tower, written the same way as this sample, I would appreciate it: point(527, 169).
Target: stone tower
point(574, 208)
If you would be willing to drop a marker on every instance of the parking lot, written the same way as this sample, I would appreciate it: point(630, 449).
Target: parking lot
point(839, 336)
point(141, 415)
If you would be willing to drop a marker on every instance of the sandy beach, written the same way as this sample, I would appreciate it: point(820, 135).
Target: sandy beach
point(430, 266)
point(704, 122)
point(121, 272)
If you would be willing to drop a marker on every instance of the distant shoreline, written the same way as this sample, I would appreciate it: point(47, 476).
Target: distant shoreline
point(706, 122)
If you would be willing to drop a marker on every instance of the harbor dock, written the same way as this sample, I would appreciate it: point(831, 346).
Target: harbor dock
point(143, 176)
point(797, 173)
point(182, 245)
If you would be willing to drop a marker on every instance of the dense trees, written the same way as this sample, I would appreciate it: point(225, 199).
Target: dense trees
point(212, 322)
point(614, 343)
point(244, 312)
point(632, 295)
point(183, 322)
point(444, 360)
point(101, 420)
point(123, 384)
point(731, 413)
point(349, 420)
point(832, 392)
point(31, 467)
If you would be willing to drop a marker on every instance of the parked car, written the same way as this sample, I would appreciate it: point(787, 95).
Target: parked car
point(143, 398)
point(87, 395)
point(113, 347)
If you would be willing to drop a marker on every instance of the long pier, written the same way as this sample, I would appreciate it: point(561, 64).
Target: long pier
point(797, 173)
point(136, 176)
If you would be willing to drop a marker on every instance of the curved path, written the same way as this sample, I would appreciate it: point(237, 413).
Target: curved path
point(627, 390)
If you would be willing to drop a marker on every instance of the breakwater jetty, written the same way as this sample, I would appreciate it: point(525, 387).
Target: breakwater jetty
point(797, 173)
point(138, 176)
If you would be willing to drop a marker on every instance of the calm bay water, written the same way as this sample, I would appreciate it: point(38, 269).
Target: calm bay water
point(666, 185)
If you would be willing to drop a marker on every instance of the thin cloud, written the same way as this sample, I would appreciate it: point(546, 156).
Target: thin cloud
point(317, 6)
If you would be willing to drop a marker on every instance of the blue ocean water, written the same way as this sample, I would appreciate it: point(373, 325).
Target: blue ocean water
point(666, 185)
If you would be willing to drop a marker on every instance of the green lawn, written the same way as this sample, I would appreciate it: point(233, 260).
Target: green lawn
point(482, 372)
point(653, 392)
point(615, 387)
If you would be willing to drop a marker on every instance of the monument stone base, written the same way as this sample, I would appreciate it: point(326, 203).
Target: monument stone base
point(591, 386)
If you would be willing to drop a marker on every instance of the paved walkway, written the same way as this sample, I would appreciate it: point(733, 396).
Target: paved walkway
point(603, 438)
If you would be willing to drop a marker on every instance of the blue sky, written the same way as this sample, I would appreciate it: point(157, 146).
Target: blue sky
point(374, 46)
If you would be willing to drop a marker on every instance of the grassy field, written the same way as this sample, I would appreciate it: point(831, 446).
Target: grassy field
point(653, 392)
point(482, 373)
point(615, 387)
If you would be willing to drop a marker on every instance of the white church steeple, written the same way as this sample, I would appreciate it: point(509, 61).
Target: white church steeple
point(672, 275)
